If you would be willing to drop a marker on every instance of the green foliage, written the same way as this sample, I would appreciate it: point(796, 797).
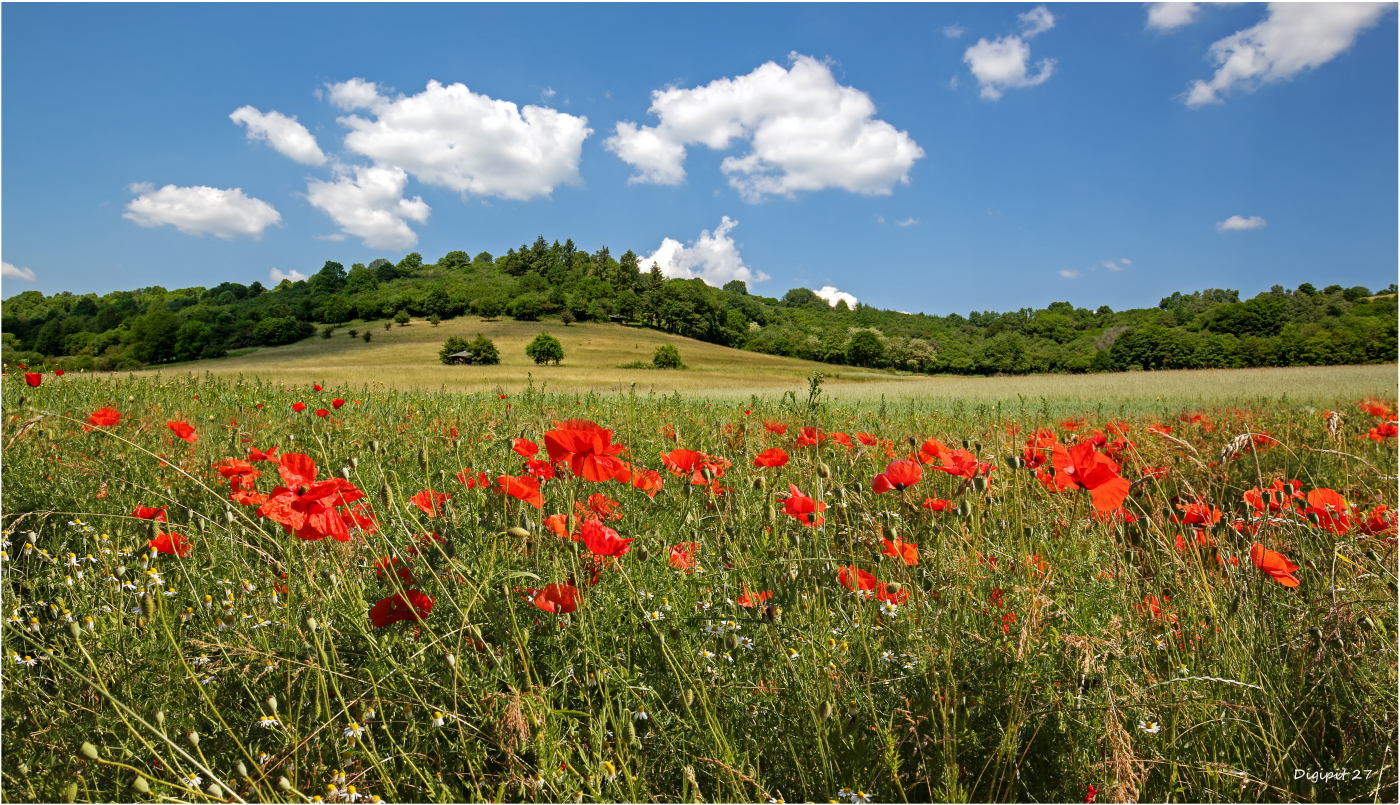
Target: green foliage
point(483, 350)
point(490, 308)
point(667, 357)
point(401, 318)
point(865, 349)
point(284, 330)
point(527, 308)
point(451, 346)
point(545, 349)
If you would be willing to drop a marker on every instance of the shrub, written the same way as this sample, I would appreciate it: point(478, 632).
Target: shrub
point(367, 336)
point(667, 357)
point(526, 308)
point(402, 317)
point(327, 332)
point(451, 346)
point(567, 318)
point(353, 332)
point(483, 350)
point(490, 309)
point(285, 330)
point(545, 348)
point(435, 320)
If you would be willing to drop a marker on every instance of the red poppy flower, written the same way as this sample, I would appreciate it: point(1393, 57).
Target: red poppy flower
point(601, 506)
point(1275, 564)
point(409, 605)
point(322, 412)
point(857, 580)
point(602, 540)
point(906, 551)
point(1331, 509)
point(804, 509)
point(307, 507)
point(867, 439)
point(1375, 408)
point(148, 513)
point(1165, 430)
point(842, 439)
point(1082, 467)
point(1071, 424)
point(773, 426)
point(1276, 498)
point(316, 386)
point(183, 430)
point(1197, 513)
point(540, 468)
point(361, 517)
point(561, 599)
point(255, 454)
point(525, 487)
point(478, 481)
point(898, 475)
point(58, 373)
point(558, 524)
point(962, 463)
point(649, 481)
point(682, 556)
point(336, 403)
point(298, 407)
point(1378, 523)
point(171, 543)
point(429, 501)
point(237, 468)
point(386, 565)
point(104, 417)
point(772, 457)
point(1091, 794)
point(810, 437)
point(748, 599)
point(682, 462)
point(588, 448)
point(937, 505)
point(33, 378)
point(524, 447)
point(1198, 419)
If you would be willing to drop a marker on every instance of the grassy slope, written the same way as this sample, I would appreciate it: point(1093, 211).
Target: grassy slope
point(406, 357)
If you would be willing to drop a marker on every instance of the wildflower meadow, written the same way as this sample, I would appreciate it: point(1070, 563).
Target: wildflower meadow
point(221, 589)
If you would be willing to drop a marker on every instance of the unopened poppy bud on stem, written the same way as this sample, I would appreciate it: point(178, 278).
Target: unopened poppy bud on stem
point(284, 785)
point(89, 751)
point(643, 554)
point(824, 710)
point(517, 531)
point(140, 786)
point(823, 470)
point(193, 738)
point(271, 703)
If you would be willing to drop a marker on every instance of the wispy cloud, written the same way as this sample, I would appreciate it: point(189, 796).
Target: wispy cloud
point(15, 273)
point(953, 31)
point(1237, 223)
point(910, 221)
point(1069, 274)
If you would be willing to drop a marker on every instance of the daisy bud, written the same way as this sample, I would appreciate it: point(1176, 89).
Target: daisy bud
point(284, 785)
point(193, 738)
point(823, 470)
point(517, 531)
point(643, 554)
point(824, 710)
point(140, 786)
point(89, 751)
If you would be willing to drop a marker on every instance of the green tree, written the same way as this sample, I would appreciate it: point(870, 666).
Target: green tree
point(329, 279)
point(490, 308)
point(153, 334)
point(667, 357)
point(737, 286)
point(401, 318)
point(526, 308)
point(451, 346)
point(484, 351)
point(278, 330)
point(865, 349)
point(545, 348)
point(190, 340)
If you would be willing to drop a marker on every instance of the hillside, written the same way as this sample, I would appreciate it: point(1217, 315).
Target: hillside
point(557, 283)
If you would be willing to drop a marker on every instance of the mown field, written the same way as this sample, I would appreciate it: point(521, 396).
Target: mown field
point(1006, 591)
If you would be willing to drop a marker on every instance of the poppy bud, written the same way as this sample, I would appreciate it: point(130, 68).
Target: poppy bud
point(385, 493)
point(629, 733)
point(674, 633)
point(75, 630)
point(291, 438)
point(965, 509)
point(70, 794)
point(760, 483)
point(731, 642)
point(284, 785)
point(423, 459)
point(193, 738)
point(148, 606)
point(1366, 623)
point(517, 531)
point(160, 719)
point(344, 473)
point(643, 554)
point(241, 768)
point(688, 696)
point(33, 538)
point(373, 448)
point(966, 444)
point(311, 623)
point(140, 786)
point(120, 571)
point(772, 613)
point(89, 751)
point(980, 483)
point(1336, 643)
point(823, 470)
point(824, 710)
point(893, 588)
point(271, 703)
point(708, 474)
point(770, 514)
point(891, 533)
point(913, 442)
point(215, 791)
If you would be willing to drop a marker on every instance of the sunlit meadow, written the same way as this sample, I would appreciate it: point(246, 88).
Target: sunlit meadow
point(224, 590)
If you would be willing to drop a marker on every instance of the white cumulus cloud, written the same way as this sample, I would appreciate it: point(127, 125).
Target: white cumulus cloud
point(277, 275)
point(1167, 16)
point(196, 210)
point(713, 258)
point(452, 137)
point(832, 296)
point(805, 130)
point(1036, 21)
point(1004, 63)
point(1116, 266)
point(367, 202)
point(1238, 222)
point(1069, 274)
point(1293, 37)
point(290, 138)
point(16, 273)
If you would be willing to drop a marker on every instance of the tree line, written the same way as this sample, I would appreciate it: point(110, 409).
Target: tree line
point(1212, 328)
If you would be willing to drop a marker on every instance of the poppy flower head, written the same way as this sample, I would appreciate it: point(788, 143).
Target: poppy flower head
point(682, 556)
point(775, 427)
point(336, 403)
point(525, 447)
point(429, 502)
point(1275, 564)
point(561, 599)
point(1071, 425)
point(843, 439)
point(898, 475)
point(603, 541)
point(470, 480)
point(701, 467)
point(558, 524)
point(587, 447)
point(171, 543)
point(907, 552)
point(867, 439)
point(33, 379)
point(802, 508)
point(255, 454)
point(772, 457)
point(183, 430)
point(857, 580)
point(148, 513)
point(298, 407)
point(59, 373)
point(316, 386)
point(749, 599)
point(1375, 408)
point(1083, 467)
point(810, 437)
point(540, 468)
point(525, 487)
point(937, 505)
point(392, 565)
point(409, 605)
point(104, 417)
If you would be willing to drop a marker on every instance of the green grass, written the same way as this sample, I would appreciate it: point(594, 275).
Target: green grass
point(1026, 663)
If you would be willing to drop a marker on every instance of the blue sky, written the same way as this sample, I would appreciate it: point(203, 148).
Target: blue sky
point(921, 157)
